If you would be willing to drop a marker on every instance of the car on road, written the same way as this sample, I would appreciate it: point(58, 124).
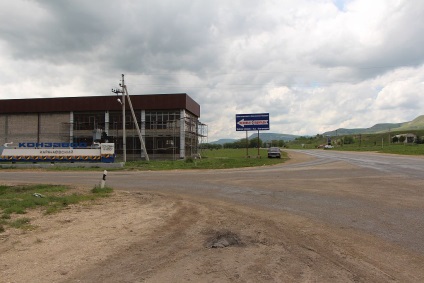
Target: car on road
point(274, 152)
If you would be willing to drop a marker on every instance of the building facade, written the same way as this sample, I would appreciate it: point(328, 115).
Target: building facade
point(169, 123)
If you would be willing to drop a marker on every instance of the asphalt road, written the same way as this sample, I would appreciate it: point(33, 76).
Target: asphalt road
point(410, 166)
point(382, 195)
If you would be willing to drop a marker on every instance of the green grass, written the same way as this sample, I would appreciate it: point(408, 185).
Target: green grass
point(101, 192)
point(379, 142)
point(22, 223)
point(405, 149)
point(51, 198)
point(211, 159)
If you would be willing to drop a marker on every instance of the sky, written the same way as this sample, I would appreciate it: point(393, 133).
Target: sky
point(313, 65)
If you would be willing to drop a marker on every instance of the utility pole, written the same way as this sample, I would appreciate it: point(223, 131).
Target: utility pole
point(122, 101)
point(143, 147)
point(124, 130)
point(124, 92)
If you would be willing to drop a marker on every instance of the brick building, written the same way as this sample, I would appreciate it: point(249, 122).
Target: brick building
point(169, 123)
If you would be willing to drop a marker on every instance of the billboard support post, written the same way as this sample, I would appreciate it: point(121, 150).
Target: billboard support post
point(259, 155)
point(247, 146)
point(252, 122)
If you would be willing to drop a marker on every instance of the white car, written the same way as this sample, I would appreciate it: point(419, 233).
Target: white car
point(274, 152)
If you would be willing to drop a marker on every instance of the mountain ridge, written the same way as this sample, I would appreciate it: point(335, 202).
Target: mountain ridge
point(415, 124)
point(265, 137)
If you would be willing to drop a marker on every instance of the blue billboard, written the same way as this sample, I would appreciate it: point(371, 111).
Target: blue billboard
point(252, 122)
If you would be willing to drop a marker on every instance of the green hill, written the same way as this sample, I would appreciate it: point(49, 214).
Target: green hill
point(223, 141)
point(416, 124)
point(272, 137)
point(265, 137)
point(377, 128)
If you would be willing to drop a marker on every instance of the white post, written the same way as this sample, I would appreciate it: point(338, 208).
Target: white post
point(102, 185)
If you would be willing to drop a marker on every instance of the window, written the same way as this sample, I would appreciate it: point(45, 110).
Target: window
point(160, 119)
point(89, 121)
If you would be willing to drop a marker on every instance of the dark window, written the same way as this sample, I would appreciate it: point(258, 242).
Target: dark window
point(89, 121)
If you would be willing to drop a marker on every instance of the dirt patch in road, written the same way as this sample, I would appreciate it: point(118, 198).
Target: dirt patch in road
point(150, 237)
point(296, 157)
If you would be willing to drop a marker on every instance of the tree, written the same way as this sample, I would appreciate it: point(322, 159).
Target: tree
point(210, 146)
point(253, 143)
point(348, 140)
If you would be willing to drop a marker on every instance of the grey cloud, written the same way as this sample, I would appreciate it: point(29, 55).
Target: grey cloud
point(399, 46)
point(294, 59)
point(68, 32)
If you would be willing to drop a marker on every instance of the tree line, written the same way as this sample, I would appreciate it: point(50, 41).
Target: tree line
point(252, 143)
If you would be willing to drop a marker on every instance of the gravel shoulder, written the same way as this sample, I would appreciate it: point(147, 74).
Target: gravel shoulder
point(164, 237)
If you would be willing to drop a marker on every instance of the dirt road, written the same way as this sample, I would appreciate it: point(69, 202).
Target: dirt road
point(220, 227)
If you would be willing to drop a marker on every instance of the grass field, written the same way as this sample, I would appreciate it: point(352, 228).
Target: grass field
point(366, 142)
point(405, 149)
point(236, 158)
point(212, 159)
point(16, 200)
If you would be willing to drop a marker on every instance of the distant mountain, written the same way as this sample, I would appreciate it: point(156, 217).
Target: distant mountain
point(222, 141)
point(416, 124)
point(273, 137)
point(377, 128)
point(263, 136)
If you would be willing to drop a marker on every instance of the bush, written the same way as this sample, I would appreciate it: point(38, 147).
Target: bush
point(189, 160)
point(19, 223)
point(348, 140)
point(98, 190)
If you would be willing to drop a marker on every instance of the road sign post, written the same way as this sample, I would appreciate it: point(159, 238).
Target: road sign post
point(252, 122)
point(259, 155)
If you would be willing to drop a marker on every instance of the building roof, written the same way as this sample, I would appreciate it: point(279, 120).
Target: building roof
point(99, 103)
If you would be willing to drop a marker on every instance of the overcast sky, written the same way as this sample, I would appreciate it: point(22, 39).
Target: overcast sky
point(314, 65)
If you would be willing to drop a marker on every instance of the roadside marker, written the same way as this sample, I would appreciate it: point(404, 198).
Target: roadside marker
point(102, 185)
